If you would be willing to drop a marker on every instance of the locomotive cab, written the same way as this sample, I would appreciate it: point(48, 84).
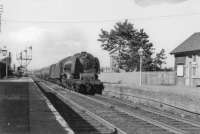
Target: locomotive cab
point(66, 71)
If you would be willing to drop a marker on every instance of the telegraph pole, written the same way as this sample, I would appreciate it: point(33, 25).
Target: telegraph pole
point(25, 58)
point(1, 11)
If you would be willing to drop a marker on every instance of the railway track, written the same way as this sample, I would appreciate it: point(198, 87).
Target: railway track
point(127, 117)
point(147, 120)
point(183, 113)
point(80, 120)
point(141, 121)
point(188, 126)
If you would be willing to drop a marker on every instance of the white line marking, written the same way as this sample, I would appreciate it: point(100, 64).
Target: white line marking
point(59, 118)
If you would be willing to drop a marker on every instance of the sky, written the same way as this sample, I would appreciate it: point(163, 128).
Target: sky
point(59, 28)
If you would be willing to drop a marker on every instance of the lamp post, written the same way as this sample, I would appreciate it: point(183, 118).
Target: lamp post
point(140, 52)
point(4, 52)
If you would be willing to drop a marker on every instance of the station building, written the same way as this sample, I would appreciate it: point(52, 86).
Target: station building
point(187, 61)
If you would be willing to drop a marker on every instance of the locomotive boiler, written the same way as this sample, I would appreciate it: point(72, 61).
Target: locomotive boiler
point(78, 72)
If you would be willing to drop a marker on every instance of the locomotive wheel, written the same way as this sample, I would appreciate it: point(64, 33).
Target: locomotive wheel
point(76, 88)
point(89, 89)
point(82, 89)
point(73, 87)
point(99, 89)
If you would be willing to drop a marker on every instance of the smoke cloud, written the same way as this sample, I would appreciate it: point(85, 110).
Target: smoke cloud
point(56, 46)
point(49, 46)
point(155, 2)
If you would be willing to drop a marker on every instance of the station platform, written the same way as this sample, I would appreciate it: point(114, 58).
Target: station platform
point(23, 109)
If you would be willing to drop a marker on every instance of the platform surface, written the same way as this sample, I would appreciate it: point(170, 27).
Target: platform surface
point(23, 109)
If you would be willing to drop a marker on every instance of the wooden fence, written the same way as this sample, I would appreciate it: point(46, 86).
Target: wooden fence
point(132, 78)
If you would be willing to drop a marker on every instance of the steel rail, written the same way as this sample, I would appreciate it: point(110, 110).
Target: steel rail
point(115, 129)
point(144, 118)
point(194, 123)
point(156, 101)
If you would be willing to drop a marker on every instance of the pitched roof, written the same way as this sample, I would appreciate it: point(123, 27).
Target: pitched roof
point(190, 44)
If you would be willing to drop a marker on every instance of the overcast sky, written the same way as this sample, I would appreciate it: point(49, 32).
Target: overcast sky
point(59, 28)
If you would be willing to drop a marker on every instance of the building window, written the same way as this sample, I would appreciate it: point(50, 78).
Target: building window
point(194, 71)
point(180, 70)
point(194, 58)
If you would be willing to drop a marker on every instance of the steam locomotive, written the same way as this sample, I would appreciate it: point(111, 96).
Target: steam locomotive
point(78, 72)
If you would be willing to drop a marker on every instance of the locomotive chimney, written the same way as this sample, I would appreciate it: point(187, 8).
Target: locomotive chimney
point(84, 53)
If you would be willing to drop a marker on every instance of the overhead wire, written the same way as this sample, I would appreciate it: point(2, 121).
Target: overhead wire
point(100, 21)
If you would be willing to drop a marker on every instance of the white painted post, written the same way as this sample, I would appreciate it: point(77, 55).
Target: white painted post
point(140, 70)
point(140, 52)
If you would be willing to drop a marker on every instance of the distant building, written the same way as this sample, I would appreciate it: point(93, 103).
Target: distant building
point(5, 61)
point(187, 61)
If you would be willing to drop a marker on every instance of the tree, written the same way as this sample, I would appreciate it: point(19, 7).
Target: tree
point(159, 60)
point(125, 38)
